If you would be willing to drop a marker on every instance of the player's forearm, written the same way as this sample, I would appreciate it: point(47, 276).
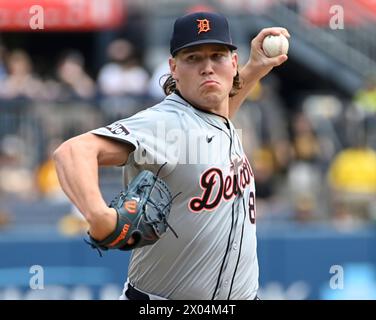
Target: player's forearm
point(258, 66)
point(77, 169)
point(249, 76)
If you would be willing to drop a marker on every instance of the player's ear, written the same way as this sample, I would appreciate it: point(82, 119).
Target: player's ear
point(172, 63)
point(235, 62)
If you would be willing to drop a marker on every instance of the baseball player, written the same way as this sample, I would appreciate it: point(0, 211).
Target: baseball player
point(191, 142)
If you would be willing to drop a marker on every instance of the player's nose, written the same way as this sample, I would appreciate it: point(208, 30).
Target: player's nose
point(207, 67)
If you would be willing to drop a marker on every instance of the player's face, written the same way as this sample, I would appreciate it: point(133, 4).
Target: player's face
point(204, 75)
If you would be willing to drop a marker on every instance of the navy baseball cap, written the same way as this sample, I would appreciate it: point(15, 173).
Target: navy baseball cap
point(200, 28)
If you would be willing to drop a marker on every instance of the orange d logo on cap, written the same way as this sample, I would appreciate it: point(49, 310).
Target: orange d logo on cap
point(203, 25)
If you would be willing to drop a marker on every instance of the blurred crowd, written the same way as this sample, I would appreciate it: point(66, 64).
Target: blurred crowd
point(313, 162)
point(122, 75)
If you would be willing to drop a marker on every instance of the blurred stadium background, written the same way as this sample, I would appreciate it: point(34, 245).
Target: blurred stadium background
point(309, 129)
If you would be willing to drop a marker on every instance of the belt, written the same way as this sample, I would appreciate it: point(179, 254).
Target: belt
point(133, 294)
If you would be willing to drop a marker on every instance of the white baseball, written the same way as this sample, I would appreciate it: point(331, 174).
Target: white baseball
point(275, 45)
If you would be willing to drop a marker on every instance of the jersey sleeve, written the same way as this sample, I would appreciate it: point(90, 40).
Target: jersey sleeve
point(154, 133)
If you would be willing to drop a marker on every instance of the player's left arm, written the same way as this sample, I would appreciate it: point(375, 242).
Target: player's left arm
point(257, 66)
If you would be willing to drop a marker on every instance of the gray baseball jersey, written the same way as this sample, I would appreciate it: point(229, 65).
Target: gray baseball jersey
point(214, 256)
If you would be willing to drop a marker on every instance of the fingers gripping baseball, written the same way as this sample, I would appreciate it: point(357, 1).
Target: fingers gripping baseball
point(275, 31)
point(259, 60)
point(277, 61)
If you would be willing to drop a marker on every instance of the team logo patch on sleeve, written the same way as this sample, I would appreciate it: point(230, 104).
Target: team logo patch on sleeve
point(117, 129)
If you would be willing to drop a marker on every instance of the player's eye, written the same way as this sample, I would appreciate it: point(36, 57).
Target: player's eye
point(191, 58)
point(218, 55)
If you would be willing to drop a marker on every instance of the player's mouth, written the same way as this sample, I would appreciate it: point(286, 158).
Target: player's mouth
point(209, 83)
